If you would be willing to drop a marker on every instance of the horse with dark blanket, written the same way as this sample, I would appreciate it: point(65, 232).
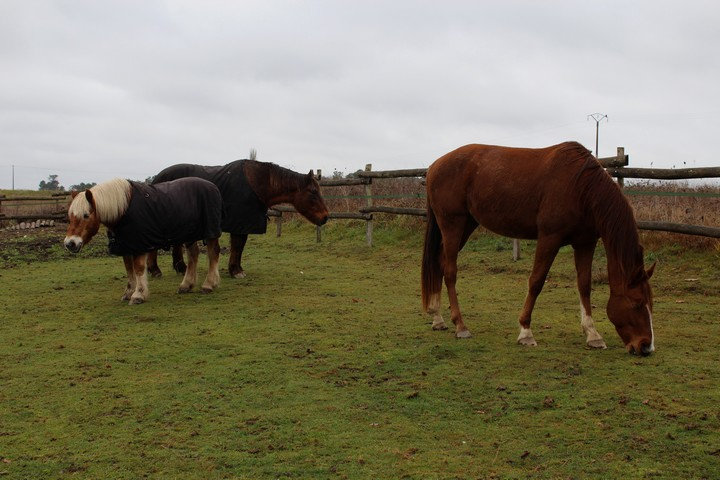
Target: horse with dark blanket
point(142, 218)
point(248, 189)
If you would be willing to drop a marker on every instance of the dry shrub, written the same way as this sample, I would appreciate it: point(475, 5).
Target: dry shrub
point(676, 202)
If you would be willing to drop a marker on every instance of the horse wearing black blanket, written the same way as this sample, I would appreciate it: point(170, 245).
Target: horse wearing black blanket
point(141, 218)
point(248, 189)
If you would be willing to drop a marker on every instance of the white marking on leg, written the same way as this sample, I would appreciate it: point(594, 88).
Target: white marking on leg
point(592, 337)
point(652, 332)
point(434, 311)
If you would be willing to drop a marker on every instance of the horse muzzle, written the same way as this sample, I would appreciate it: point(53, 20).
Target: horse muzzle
point(643, 348)
point(73, 244)
point(323, 221)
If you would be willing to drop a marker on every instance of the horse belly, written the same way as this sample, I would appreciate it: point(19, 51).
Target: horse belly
point(507, 223)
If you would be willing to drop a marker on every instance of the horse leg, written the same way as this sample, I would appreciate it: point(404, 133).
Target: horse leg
point(191, 272)
point(237, 245)
point(130, 288)
point(152, 264)
point(177, 259)
point(453, 238)
point(213, 276)
point(434, 302)
point(545, 252)
point(583, 267)
point(141, 284)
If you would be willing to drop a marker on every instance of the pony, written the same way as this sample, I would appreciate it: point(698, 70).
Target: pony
point(248, 188)
point(559, 195)
point(141, 218)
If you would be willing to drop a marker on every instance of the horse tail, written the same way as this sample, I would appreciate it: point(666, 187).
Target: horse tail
point(431, 266)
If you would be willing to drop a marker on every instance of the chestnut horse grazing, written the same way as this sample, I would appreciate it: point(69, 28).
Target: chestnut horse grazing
point(248, 189)
point(558, 195)
point(140, 218)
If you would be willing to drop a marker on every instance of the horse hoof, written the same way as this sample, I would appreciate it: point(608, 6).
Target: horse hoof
point(439, 326)
point(155, 273)
point(527, 341)
point(463, 334)
point(240, 274)
point(599, 344)
point(207, 290)
point(136, 300)
point(184, 290)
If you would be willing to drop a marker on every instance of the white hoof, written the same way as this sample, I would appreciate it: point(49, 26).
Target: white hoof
point(598, 343)
point(463, 334)
point(136, 300)
point(526, 338)
point(439, 325)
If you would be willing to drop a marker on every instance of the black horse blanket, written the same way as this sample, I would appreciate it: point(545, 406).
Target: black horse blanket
point(166, 214)
point(242, 211)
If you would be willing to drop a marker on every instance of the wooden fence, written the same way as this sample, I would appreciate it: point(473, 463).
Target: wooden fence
point(55, 202)
point(616, 167)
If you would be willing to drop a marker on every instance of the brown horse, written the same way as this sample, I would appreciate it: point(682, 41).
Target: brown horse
point(140, 218)
point(248, 189)
point(558, 195)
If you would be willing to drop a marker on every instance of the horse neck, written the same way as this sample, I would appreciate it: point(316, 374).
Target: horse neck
point(271, 183)
point(615, 222)
point(621, 264)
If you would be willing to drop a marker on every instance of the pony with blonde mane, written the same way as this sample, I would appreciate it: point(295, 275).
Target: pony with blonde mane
point(559, 195)
point(142, 218)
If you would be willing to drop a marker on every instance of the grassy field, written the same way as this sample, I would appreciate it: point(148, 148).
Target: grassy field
point(320, 364)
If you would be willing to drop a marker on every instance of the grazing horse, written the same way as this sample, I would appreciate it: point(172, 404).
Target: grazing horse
point(559, 195)
point(248, 189)
point(141, 218)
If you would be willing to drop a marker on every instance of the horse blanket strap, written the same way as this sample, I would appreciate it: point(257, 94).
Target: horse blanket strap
point(243, 211)
point(167, 214)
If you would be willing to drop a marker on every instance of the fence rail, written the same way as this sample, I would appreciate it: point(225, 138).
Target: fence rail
point(616, 166)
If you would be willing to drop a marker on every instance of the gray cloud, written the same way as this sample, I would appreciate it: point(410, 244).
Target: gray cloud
point(92, 90)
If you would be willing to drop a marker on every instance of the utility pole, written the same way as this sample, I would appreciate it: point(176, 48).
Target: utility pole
point(598, 117)
point(13, 178)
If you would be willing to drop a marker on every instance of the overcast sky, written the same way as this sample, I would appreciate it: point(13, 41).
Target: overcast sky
point(91, 90)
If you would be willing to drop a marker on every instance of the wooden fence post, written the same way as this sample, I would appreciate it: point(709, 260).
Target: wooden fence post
point(621, 159)
point(278, 225)
point(318, 228)
point(516, 249)
point(369, 203)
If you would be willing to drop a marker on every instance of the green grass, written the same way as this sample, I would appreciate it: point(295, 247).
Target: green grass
point(321, 364)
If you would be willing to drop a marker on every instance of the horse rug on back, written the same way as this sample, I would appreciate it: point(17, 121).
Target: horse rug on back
point(166, 214)
point(243, 211)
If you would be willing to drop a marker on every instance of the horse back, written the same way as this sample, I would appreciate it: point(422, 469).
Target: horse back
point(516, 192)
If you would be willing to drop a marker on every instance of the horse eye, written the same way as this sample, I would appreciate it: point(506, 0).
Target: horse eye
point(87, 215)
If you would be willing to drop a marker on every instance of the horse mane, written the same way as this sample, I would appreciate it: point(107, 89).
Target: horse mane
point(111, 200)
point(278, 179)
point(614, 217)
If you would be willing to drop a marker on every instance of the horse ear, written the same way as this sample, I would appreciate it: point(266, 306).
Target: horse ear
point(639, 276)
point(651, 270)
point(73, 194)
point(89, 198)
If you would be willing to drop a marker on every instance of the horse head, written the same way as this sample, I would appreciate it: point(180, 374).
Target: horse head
point(84, 221)
point(631, 312)
point(308, 201)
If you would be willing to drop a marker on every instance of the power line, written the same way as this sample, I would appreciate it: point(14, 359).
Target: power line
point(598, 117)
